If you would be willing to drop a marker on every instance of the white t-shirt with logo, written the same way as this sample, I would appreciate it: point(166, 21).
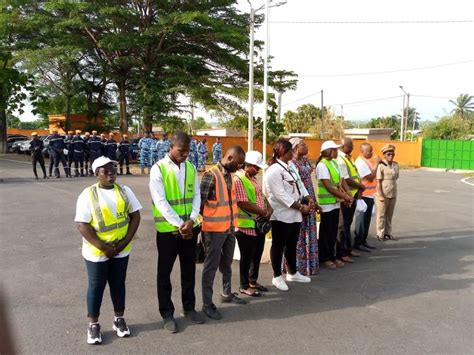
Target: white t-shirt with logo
point(84, 213)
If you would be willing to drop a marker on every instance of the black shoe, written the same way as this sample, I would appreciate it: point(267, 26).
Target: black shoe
point(362, 248)
point(194, 317)
point(368, 246)
point(94, 336)
point(233, 298)
point(36, 177)
point(170, 325)
point(120, 327)
point(212, 312)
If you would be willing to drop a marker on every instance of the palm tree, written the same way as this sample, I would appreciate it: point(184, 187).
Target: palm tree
point(464, 105)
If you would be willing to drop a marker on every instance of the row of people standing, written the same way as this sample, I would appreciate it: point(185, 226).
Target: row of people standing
point(82, 150)
point(233, 206)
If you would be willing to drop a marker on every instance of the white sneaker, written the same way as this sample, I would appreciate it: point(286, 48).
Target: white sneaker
point(279, 283)
point(298, 278)
point(94, 335)
point(120, 327)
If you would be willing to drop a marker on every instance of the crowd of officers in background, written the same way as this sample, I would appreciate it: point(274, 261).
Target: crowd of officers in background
point(82, 150)
point(153, 150)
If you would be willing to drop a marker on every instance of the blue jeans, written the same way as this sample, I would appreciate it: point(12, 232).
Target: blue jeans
point(362, 223)
point(113, 272)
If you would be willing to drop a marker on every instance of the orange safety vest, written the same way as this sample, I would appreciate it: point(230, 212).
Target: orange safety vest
point(219, 214)
point(370, 186)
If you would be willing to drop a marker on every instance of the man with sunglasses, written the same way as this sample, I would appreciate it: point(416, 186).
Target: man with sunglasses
point(107, 216)
point(174, 188)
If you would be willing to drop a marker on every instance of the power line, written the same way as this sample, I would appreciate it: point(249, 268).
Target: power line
point(434, 97)
point(369, 101)
point(377, 22)
point(301, 99)
point(386, 71)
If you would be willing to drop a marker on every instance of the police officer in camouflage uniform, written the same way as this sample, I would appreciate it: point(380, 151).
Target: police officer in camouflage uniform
point(193, 155)
point(164, 146)
point(145, 152)
point(155, 150)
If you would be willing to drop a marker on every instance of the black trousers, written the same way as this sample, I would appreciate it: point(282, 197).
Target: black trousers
point(169, 247)
point(124, 157)
point(51, 161)
point(344, 240)
point(328, 235)
point(38, 158)
point(78, 162)
point(284, 240)
point(251, 250)
point(58, 156)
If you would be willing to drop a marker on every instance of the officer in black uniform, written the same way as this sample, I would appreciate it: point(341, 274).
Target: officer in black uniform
point(87, 135)
point(51, 155)
point(67, 142)
point(124, 154)
point(111, 147)
point(36, 148)
point(103, 140)
point(57, 144)
point(94, 146)
point(78, 147)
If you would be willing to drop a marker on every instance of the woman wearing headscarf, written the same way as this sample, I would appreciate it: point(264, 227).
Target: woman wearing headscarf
point(332, 190)
point(285, 192)
point(387, 176)
point(307, 261)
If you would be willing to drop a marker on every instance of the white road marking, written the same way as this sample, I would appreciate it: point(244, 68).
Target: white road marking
point(440, 191)
point(467, 182)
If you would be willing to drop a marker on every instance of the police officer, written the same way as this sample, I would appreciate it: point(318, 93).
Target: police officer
point(87, 135)
point(103, 140)
point(155, 151)
point(57, 145)
point(51, 155)
point(164, 146)
point(94, 146)
point(36, 148)
point(217, 151)
point(111, 147)
point(145, 150)
point(124, 154)
point(67, 142)
point(78, 147)
point(193, 155)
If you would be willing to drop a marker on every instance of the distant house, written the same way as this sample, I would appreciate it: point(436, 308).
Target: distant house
point(369, 133)
point(220, 132)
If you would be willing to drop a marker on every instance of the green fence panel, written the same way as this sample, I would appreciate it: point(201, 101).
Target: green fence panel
point(448, 154)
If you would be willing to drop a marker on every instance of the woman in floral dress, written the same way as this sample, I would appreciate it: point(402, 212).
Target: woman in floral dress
point(307, 260)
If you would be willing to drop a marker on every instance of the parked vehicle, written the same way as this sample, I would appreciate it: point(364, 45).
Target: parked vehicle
point(12, 140)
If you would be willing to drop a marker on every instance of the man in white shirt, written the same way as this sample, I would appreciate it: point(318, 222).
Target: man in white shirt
point(107, 216)
point(174, 188)
point(350, 175)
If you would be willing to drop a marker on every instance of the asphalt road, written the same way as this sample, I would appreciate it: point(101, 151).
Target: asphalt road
point(410, 296)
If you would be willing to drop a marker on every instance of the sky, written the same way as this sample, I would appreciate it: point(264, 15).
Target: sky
point(361, 66)
point(327, 55)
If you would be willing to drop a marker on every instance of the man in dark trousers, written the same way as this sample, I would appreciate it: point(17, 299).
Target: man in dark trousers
point(57, 146)
point(174, 188)
point(87, 135)
point(78, 147)
point(67, 142)
point(36, 148)
point(94, 146)
point(111, 147)
point(124, 154)
point(103, 140)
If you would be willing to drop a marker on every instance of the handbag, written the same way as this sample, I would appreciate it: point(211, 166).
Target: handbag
point(262, 226)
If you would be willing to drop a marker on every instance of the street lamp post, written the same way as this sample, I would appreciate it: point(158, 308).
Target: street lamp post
point(265, 73)
point(404, 112)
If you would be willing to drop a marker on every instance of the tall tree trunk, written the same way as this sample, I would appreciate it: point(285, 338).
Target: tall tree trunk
point(123, 122)
point(3, 132)
point(147, 121)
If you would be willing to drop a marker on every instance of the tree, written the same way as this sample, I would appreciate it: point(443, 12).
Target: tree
point(392, 121)
point(200, 123)
point(282, 81)
point(464, 105)
point(447, 127)
point(303, 120)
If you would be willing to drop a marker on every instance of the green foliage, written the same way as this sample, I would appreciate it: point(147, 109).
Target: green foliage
point(200, 123)
point(464, 105)
point(392, 121)
point(449, 127)
point(303, 120)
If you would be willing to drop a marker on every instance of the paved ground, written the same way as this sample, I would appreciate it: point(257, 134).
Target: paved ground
point(411, 296)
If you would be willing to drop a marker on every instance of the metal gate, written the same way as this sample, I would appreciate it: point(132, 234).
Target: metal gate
point(448, 154)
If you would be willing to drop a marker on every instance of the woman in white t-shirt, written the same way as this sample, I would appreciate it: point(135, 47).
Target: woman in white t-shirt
point(332, 190)
point(107, 216)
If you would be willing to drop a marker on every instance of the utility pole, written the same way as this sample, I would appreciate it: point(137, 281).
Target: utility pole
point(321, 134)
point(265, 79)
point(407, 115)
point(251, 79)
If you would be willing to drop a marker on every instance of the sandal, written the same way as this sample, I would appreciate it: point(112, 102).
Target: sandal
point(380, 239)
point(252, 293)
point(258, 287)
